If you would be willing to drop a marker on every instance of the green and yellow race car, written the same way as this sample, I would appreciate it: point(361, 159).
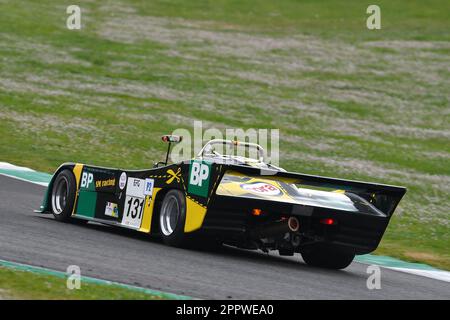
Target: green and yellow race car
point(229, 199)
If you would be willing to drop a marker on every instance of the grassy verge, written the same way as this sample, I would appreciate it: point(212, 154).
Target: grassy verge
point(16, 284)
point(349, 102)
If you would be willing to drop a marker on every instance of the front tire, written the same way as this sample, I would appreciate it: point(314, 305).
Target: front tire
point(328, 257)
point(172, 218)
point(63, 195)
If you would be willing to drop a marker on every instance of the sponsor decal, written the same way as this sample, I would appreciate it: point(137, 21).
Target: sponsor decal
point(199, 175)
point(87, 180)
point(148, 187)
point(132, 215)
point(262, 188)
point(111, 210)
point(105, 183)
point(134, 202)
point(135, 187)
point(173, 175)
point(122, 180)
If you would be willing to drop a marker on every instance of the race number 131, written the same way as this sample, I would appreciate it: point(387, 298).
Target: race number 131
point(133, 211)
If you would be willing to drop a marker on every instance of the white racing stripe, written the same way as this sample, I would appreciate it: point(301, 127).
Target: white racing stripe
point(45, 184)
point(9, 166)
point(418, 269)
point(433, 274)
point(24, 174)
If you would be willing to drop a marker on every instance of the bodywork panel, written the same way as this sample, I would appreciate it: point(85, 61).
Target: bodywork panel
point(285, 190)
point(220, 197)
point(129, 198)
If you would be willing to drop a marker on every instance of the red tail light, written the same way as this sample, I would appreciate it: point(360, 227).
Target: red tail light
point(328, 221)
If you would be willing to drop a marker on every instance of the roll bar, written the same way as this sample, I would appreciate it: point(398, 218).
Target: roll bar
point(261, 152)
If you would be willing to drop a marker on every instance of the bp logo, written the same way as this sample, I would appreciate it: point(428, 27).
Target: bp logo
point(87, 181)
point(199, 178)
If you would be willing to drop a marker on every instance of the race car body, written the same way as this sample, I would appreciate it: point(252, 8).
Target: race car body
point(235, 200)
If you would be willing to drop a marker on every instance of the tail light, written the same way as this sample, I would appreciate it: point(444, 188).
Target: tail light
point(328, 221)
point(256, 212)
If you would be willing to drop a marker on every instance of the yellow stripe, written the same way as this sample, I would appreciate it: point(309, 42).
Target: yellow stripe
point(195, 214)
point(148, 211)
point(77, 172)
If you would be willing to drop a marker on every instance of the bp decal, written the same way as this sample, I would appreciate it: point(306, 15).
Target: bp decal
point(87, 197)
point(199, 174)
point(94, 179)
point(87, 181)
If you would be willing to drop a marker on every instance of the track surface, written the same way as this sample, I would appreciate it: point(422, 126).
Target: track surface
point(129, 257)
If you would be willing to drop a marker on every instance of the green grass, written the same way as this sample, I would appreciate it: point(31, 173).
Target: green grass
point(349, 102)
point(28, 285)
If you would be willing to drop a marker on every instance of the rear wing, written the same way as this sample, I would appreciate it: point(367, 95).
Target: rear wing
point(384, 197)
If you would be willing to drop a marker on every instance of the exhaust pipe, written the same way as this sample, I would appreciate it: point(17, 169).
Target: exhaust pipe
point(278, 228)
point(293, 224)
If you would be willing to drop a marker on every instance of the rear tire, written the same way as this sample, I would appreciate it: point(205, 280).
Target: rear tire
point(172, 217)
point(63, 195)
point(328, 257)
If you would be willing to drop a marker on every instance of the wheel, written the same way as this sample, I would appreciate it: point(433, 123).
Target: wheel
point(328, 257)
point(63, 195)
point(172, 217)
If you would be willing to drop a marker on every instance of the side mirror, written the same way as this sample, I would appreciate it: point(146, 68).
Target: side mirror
point(170, 139)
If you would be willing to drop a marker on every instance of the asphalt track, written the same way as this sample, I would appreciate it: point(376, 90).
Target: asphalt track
point(133, 258)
